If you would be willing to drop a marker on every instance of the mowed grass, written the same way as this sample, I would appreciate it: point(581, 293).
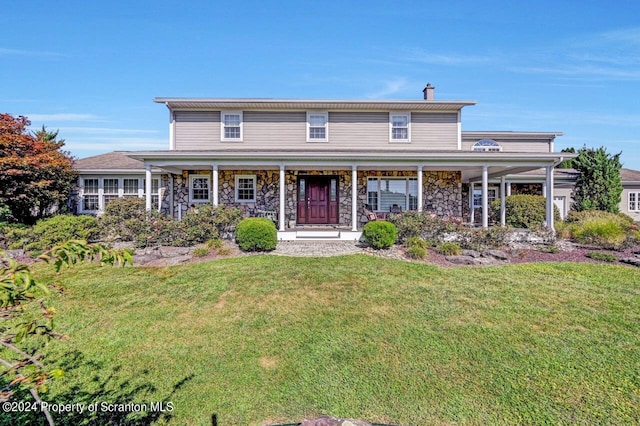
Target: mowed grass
point(267, 339)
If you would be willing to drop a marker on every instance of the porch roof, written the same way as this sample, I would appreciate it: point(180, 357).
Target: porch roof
point(468, 162)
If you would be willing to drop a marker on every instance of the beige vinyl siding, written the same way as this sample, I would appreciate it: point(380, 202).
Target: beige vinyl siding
point(263, 129)
point(438, 131)
point(197, 130)
point(359, 129)
point(514, 145)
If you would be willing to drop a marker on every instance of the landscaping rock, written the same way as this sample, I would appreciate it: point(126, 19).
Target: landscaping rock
point(497, 254)
point(635, 261)
point(167, 251)
point(15, 254)
point(472, 253)
point(333, 421)
point(461, 260)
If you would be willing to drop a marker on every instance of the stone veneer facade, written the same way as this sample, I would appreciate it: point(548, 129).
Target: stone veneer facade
point(442, 191)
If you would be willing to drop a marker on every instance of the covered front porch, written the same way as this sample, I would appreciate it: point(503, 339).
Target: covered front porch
point(333, 191)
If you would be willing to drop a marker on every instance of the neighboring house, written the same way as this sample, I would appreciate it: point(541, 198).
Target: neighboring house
point(323, 162)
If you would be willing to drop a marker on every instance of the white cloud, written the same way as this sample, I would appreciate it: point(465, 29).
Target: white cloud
point(104, 130)
point(389, 88)
point(20, 52)
point(108, 144)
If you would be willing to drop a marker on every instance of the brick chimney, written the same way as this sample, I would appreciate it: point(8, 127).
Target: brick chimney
point(429, 92)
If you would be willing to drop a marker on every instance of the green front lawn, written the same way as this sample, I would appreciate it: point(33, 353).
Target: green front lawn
point(269, 339)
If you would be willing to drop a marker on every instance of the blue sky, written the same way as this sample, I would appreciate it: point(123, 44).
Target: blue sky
point(91, 69)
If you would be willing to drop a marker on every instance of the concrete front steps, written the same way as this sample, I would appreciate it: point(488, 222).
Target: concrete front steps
point(319, 234)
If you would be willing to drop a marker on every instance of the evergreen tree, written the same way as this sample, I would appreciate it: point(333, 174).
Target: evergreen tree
point(599, 186)
point(567, 164)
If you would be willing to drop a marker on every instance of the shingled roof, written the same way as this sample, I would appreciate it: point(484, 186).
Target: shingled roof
point(109, 161)
point(629, 175)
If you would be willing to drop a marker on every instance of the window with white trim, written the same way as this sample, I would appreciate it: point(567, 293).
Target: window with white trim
point(231, 126)
point(399, 127)
point(199, 186)
point(386, 194)
point(90, 197)
point(486, 145)
point(245, 188)
point(130, 187)
point(317, 123)
point(110, 189)
point(492, 195)
point(634, 201)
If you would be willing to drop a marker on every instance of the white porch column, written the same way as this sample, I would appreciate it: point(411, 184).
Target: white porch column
point(544, 188)
point(508, 189)
point(420, 188)
point(148, 182)
point(354, 198)
point(503, 203)
point(283, 187)
point(485, 197)
point(472, 212)
point(549, 195)
point(215, 185)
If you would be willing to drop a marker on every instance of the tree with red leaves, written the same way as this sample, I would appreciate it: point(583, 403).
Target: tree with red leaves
point(36, 175)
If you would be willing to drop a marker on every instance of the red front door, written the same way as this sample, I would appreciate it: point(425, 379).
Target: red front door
point(317, 201)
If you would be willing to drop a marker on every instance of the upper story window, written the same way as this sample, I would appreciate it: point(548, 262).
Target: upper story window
point(317, 126)
point(400, 127)
point(486, 145)
point(231, 124)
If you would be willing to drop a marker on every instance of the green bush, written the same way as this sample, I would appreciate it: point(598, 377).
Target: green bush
point(214, 243)
point(450, 248)
point(524, 211)
point(127, 219)
point(55, 230)
point(256, 234)
point(602, 229)
point(380, 234)
point(605, 257)
point(123, 219)
point(426, 225)
point(417, 252)
point(416, 241)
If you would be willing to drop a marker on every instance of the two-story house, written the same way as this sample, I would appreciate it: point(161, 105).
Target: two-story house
point(324, 163)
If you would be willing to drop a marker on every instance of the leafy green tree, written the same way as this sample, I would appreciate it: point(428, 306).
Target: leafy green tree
point(36, 175)
point(599, 186)
point(567, 164)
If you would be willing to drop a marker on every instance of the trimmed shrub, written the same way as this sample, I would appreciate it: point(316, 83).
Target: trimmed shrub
point(417, 252)
point(450, 248)
point(380, 234)
point(524, 211)
point(55, 230)
point(605, 257)
point(256, 234)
